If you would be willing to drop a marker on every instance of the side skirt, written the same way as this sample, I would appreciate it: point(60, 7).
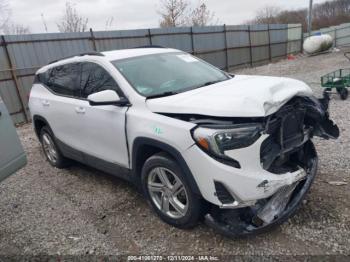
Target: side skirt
point(94, 162)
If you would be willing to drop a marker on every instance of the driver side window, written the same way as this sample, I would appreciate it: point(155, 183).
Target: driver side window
point(95, 78)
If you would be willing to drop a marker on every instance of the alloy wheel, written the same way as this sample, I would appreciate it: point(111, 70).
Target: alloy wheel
point(168, 192)
point(49, 148)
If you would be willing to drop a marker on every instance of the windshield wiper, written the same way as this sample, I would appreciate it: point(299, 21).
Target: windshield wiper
point(209, 83)
point(169, 93)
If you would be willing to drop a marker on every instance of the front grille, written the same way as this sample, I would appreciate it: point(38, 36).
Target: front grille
point(291, 131)
point(286, 127)
point(287, 132)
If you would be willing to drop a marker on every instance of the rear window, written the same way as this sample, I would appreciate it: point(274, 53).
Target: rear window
point(78, 80)
point(62, 80)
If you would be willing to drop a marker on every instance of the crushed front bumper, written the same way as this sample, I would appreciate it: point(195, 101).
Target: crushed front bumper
point(245, 221)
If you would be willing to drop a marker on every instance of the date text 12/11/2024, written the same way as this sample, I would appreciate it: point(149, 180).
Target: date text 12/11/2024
point(173, 258)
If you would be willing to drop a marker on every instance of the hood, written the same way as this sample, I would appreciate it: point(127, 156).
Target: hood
point(241, 96)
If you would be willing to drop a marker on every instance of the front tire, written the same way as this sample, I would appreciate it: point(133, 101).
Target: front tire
point(168, 192)
point(50, 149)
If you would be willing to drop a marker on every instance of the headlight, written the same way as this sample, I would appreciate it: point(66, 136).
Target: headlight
point(216, 141)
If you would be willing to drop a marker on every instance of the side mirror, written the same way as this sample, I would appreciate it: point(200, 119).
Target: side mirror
point(106, 97)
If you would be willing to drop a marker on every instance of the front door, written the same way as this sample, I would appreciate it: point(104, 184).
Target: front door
point(103, 127)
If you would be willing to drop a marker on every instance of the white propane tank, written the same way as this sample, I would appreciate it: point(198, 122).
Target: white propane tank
point(317, 43)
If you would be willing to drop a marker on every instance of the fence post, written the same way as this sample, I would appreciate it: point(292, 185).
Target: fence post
point(226, 49)
point(269, 35)
point(93, 40)
point(301, 39)
point(335, 37)
point(150, 36)
point(192, 42)
point(12, 67)
point(250, 47)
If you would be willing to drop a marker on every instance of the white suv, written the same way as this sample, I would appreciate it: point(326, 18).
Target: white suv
point(199, 142)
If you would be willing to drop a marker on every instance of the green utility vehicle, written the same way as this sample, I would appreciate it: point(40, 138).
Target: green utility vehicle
point(339, 80)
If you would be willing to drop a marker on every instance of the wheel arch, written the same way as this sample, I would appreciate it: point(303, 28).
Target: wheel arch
point(39, 122)
point(144, 147)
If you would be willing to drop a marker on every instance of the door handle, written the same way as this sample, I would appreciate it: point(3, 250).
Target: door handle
point(80, 110)
point(45, 103)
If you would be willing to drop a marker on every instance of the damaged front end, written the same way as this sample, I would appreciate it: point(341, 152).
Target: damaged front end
point(287, 148)
point(267, 213)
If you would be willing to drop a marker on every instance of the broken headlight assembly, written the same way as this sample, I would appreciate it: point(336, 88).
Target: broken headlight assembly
point(216, 140)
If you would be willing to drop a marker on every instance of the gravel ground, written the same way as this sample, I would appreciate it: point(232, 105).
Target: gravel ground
point(82, 211)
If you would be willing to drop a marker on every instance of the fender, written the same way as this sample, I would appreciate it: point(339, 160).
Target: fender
point(142, 141)
point(317, 113)
point(40, 118)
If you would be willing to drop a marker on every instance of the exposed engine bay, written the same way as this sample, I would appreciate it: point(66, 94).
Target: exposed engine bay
point(287, 148)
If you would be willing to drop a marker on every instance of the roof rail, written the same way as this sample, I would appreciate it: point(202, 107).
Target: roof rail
point(150, 46)
point(81, 54)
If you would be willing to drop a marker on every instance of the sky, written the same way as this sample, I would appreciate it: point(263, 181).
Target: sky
point(132, 14)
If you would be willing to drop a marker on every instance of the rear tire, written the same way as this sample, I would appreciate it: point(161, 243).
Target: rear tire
point(50, 149)
point(168, 192)
point(343, 92)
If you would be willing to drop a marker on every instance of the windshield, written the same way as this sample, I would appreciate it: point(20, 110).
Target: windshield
point(168, 73)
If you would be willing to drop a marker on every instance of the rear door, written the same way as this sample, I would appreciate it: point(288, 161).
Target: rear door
point(63, 106)
point(12, 156)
